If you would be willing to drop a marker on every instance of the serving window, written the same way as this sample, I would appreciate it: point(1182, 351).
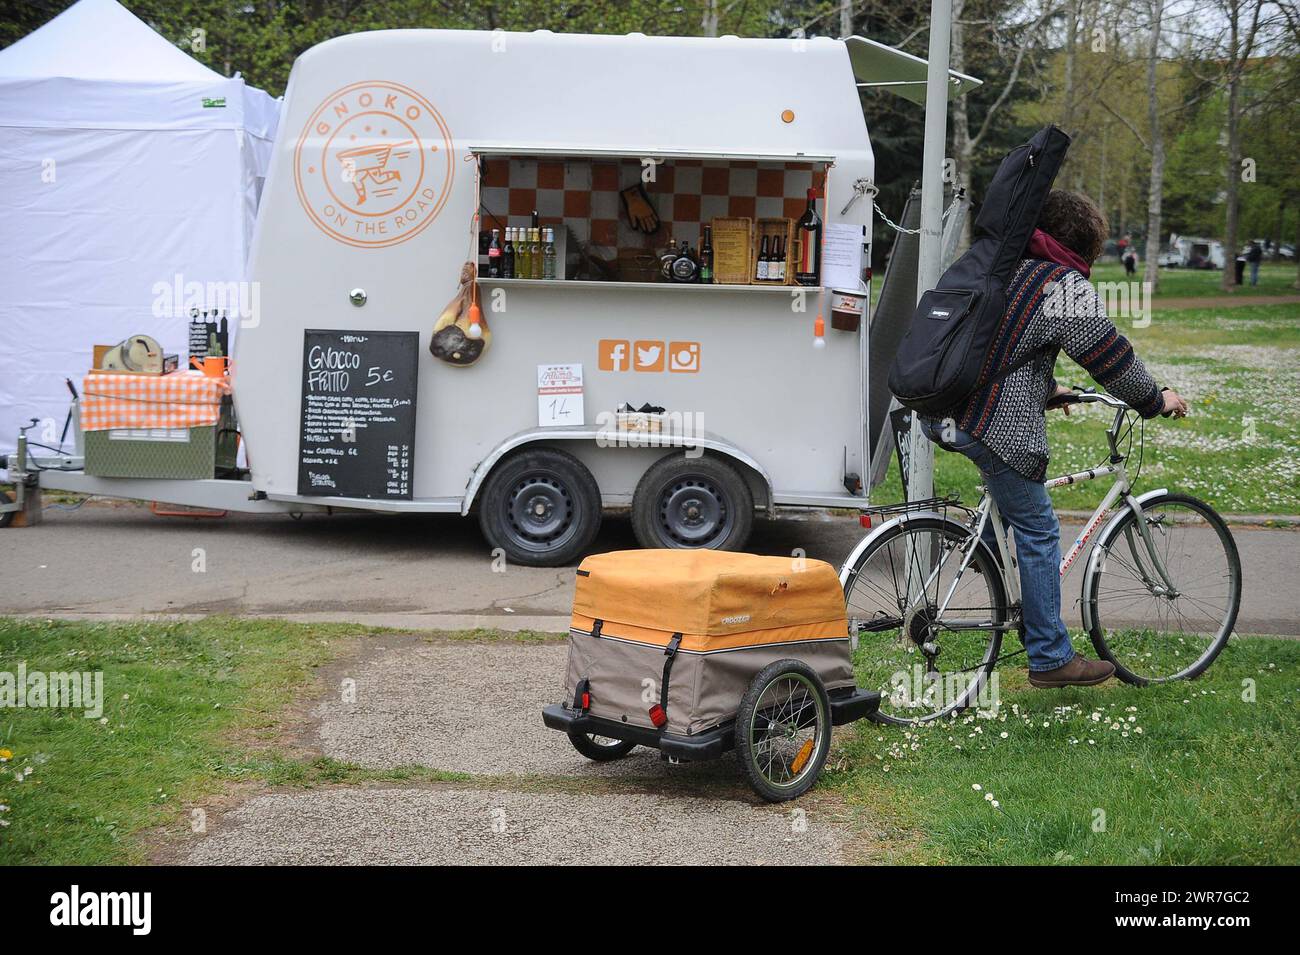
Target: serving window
point(622, 218)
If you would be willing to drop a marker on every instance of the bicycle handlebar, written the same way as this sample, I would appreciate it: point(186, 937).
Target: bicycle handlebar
point(1089, 396)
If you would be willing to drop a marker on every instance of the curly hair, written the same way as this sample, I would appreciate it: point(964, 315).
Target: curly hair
point(1075, 221)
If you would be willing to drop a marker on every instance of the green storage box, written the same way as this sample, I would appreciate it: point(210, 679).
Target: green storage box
point(164, 452)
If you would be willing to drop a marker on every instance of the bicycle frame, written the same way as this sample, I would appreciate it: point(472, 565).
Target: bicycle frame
point(1155, 577)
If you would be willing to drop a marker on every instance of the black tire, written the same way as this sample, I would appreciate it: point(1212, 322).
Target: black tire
point(754, 729)
point(872, 605)
point(692, 504)
point(542, 507)
point(7, 517)
point(585, 744)
point(1112, 546)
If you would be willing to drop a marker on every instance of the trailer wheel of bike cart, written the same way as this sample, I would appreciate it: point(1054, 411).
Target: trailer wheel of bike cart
point(648, 305)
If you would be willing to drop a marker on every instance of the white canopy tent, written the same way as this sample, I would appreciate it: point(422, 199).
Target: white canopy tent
point(129, 172)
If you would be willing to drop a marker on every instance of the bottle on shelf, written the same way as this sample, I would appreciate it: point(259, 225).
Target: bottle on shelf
point(535, 251)
point(494, 255)
point(706, 257)
point(764, 252)
point(685, 268)
point(809, 267)
point(523, 256)
point(548, 254)
point(666, 259)
point(508, 255)
point(777, 261)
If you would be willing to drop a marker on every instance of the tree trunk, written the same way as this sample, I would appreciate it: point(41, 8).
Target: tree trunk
point(1155, 192)
point(1295, 250)
point(1231, 209)
point(963, 149)
point(846, 19)
point(709, 25)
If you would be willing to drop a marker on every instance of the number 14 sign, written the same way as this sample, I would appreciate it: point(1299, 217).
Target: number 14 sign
point(559, 396)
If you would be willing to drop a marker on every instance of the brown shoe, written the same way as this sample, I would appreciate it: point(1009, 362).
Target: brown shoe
point(1078, 672)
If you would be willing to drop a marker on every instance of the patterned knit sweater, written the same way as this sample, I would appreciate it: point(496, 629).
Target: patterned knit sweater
point(1050, 308)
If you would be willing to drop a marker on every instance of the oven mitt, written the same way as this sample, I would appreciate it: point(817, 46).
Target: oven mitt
point(453, 341)
point(640, 214)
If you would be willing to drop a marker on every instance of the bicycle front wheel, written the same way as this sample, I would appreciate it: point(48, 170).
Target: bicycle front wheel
point(928, 636)
point(1153, 632)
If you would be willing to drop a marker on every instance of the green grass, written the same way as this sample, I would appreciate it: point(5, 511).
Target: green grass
point(1274, 279)
point(190, 709)
point(196, 709)
point(1194, 775)
point(1238, 449)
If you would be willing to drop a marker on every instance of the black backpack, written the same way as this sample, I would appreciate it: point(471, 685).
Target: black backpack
point(939, 360)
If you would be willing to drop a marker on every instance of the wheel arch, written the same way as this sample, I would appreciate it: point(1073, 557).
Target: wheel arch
point(750, 469)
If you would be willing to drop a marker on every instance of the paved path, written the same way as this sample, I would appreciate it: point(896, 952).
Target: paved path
point(474, 708)
point(411, 572)
point(1225, 301)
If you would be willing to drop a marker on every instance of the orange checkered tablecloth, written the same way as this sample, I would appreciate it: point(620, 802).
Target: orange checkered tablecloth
point(183, 399)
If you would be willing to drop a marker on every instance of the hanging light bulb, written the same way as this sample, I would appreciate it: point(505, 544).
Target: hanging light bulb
point(475, 329)
point(819, 332)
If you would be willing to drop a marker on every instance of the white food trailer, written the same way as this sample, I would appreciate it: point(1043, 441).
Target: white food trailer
point(397, 149)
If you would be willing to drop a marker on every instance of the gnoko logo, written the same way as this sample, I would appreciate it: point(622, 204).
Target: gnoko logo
point(373, 165)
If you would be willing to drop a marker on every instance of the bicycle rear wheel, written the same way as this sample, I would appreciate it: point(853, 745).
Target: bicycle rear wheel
point(924, 667)
point(1153, 635)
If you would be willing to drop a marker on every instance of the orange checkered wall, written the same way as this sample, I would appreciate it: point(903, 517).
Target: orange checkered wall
point(583, 194)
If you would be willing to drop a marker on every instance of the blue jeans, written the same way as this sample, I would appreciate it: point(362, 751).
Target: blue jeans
point(1027, 509)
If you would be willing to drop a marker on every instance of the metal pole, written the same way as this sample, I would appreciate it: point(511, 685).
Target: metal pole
point(920, 482)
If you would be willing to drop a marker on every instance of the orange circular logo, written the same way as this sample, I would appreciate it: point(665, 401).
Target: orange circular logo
point(373, 165)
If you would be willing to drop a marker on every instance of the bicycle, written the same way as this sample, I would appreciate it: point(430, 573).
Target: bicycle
point(929, 600)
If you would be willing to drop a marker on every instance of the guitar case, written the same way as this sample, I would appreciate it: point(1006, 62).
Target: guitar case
point(940, 359)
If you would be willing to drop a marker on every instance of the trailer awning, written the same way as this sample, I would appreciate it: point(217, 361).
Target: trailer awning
point(634, 152)
point(877, 66)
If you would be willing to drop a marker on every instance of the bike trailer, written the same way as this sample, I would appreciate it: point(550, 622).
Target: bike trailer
point(664, 643)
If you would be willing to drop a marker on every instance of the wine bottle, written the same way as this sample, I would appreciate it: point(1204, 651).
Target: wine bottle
point(494, 255)
point(508, 255)
point(706, 257)
point(535, 252)
point(808, 270)
point(760, 272)
point(778, 259)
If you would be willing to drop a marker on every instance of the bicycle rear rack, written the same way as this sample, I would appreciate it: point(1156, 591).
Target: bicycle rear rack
point(940, 504)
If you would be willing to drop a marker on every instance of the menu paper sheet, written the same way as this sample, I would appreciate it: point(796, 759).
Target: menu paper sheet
point(559, 396)
point(842, 257)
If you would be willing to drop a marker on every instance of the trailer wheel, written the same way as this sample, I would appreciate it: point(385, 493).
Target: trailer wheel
point(783, 730)
point(601, 749)
point(542, 507)
point(692, 503)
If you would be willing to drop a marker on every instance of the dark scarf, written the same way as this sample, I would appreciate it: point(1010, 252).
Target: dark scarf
point(1043, 246)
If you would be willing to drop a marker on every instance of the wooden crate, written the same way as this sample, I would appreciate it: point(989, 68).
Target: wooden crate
point(637, 265)
point(773, 228)
point(733, 251)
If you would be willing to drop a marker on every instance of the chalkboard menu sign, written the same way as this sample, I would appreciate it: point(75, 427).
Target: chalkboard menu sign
point(358, 414)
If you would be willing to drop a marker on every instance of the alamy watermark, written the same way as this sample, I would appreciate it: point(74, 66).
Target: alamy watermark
point(924, 690)
point(181, 298)
point(1130, 301)
point(37, 689)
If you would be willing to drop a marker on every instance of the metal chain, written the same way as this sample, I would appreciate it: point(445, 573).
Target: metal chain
point(898, 228)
